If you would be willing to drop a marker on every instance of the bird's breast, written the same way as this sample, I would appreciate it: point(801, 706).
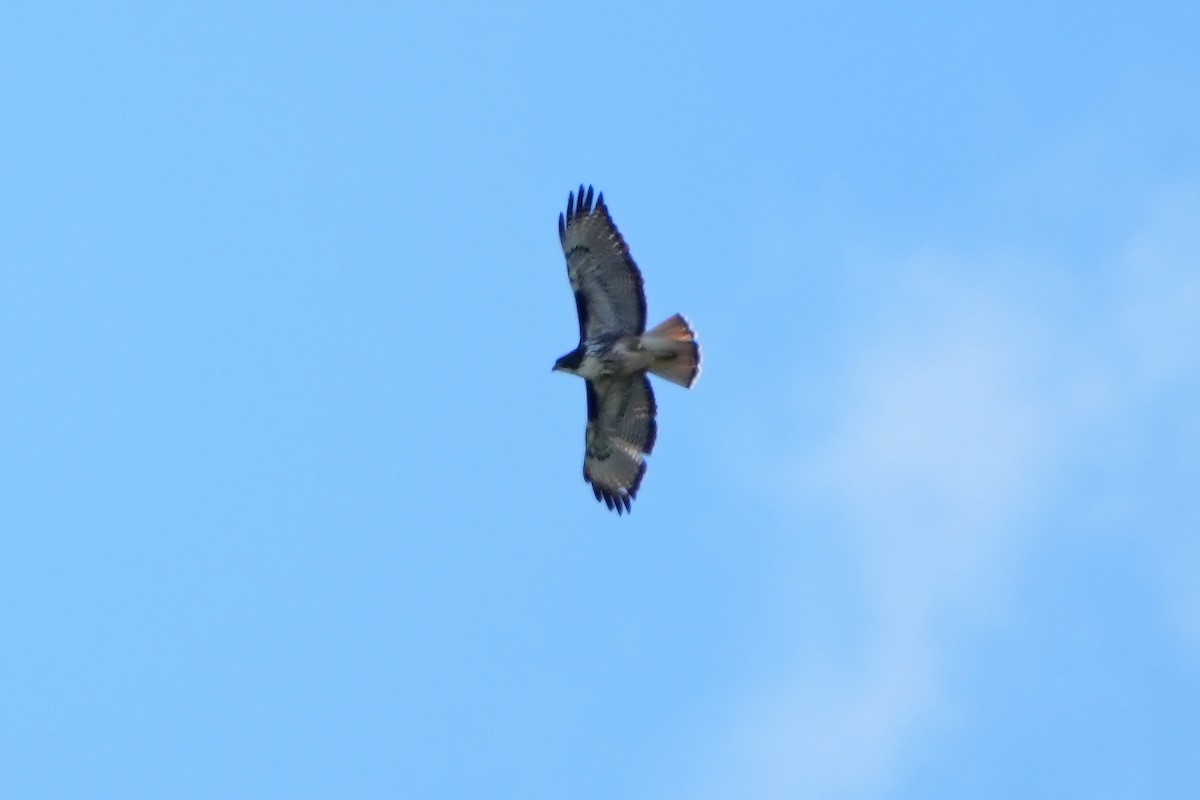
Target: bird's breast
point(612, 357)
point(591, 367)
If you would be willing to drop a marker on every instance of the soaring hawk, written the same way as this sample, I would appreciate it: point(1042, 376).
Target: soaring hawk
point(616, 351)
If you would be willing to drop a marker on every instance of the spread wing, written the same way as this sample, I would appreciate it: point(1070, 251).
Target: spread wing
point(620, 433)
point(607, 284)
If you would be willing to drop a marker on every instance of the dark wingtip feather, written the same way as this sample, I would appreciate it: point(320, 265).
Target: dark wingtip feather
point(615, 501)
point(562, 228)
point(579, 205)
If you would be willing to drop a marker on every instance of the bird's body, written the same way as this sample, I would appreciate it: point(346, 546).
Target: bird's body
point(610, 357)
point(616, 352)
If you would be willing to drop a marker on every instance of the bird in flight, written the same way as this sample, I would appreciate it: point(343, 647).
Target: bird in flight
point(615, 350)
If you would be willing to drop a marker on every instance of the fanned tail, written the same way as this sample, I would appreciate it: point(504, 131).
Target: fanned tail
point(675, 352)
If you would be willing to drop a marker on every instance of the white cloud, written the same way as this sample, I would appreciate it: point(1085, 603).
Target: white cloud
point(948, 433)
point(939, 442)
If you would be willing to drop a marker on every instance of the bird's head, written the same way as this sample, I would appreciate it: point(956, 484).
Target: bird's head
point(570, 362)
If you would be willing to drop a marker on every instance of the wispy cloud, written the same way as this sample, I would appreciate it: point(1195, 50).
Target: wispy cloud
point(1159, 274)
point(949, 435)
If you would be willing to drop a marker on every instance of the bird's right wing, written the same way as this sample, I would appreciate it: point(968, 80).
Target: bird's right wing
point(620, 432)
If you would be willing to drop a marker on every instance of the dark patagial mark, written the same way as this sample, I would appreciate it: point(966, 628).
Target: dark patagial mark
point(593, 403)
point(581, 311)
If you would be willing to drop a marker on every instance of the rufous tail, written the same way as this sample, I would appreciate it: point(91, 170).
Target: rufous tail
point(674, 350)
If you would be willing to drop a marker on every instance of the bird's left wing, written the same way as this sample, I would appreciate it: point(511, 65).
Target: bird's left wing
point(620, 432)
point(608, 286)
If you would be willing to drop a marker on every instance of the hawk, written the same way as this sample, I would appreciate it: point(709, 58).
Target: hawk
point(616, 352)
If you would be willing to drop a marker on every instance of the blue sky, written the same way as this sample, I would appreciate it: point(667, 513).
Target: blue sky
point(290, 502)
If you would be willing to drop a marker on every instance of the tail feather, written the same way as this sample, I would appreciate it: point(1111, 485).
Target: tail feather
point(675, 352)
